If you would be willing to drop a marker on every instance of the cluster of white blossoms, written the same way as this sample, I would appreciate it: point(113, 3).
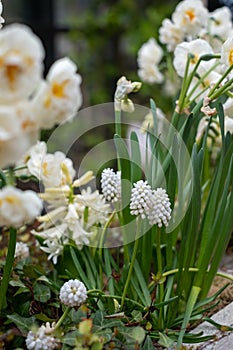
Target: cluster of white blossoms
point(71, 217)
point(152, 204)
point(111, 185)
point(17, 207)
point(149, 56)
point(73, 293)
point(21, 251)
point(28, 102)
point(43, 338)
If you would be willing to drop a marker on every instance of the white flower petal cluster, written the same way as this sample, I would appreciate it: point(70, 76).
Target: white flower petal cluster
point(191, 20)
point(28, 102)
point(70, 217)
point(227, 52)
point(73, 293)
point(159, 208)
point(139, 198)
point(53, 170)
point(149, 56)
point(196, 48)
point(42, 339)
point(152, 204)
point(21, 63)
point(111, 185)
point(21, 251)
point(190, 16)
point(59, 96)
point(18, 207)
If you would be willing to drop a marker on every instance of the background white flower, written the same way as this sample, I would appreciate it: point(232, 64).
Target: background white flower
point(18, 207)
point(21, 62)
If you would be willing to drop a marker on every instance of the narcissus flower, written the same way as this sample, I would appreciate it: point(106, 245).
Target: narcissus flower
point(59, 96)
point(73, 293)
point(18, 207)
point(21, 62)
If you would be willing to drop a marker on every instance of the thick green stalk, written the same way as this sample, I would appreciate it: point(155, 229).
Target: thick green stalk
point(63, 317)
point(8, 267)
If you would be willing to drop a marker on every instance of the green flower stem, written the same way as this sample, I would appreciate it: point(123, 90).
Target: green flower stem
point(118, 122)
point(222, 90)
point(63, 317)
point(8, 267)
point(199, 82)
point(131, 263)
point(160, 269)
point(216, 86)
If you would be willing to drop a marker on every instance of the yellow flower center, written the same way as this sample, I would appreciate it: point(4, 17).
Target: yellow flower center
point(45, 168)
point(191, 14)
point(230, 57)
point(58, 89)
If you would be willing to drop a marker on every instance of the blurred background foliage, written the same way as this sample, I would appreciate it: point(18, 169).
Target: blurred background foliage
point(106, 39)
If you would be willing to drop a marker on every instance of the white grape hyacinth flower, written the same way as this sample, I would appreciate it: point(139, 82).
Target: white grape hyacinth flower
point(159, 212)
point(42, 338)
point(21, 63)
point(139, 198)
point(73, 293)
point(18, 207)
point(111, 185)
point(21, 251)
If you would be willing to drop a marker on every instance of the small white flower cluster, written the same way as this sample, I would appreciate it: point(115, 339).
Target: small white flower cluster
point(111, 185)
point(28, 102)
point(121, 100)
point(73, 293)
point(153, 204)
point(21, 251)
point(42, 339)
point(149, 56)
point(139, 198)
point(65, 219)
point(18, 207)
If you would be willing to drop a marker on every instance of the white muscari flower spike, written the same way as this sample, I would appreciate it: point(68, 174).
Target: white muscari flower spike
point(139, 198)
point(111, 185)
point(159, 207)
point(42, 339)
point(73, 293)
point(21, 251)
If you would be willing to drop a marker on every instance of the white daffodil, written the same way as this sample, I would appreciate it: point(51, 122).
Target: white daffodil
point(228, 123)
point(18, 131)
point(196, 48)
point(18, 207)
point(21, 62)
point(170, 34)
point(227, 52)
point(191, 16)
point(220, 23)
point(150, 74)
point(59, 97)
point(149, 53)
point(51, 169)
